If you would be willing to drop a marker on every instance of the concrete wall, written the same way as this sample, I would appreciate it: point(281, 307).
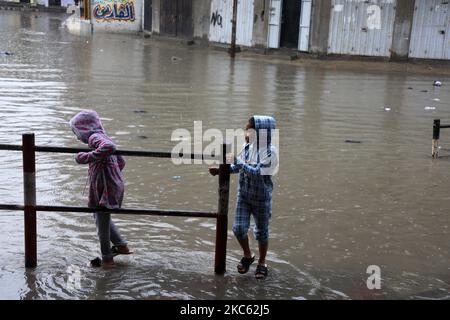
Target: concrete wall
point(129, 19)
point(201, 10)
point(320, 26)
point(156, 11)
point(402, 29)
point(260, 23)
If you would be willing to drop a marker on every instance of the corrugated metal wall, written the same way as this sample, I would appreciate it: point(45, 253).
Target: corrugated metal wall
point(361, 27)
point(221, 15)
point(430, 35)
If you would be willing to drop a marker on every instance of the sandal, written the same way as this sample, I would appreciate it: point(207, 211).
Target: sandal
point(245, 264)
point(116, 250)
point(261, 272)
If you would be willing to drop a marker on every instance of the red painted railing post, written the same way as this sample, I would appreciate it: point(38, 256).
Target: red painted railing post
point(435, 142)
point(222, 219)
point(29, 184)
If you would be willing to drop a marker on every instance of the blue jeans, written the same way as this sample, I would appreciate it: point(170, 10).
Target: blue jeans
point(107, 233)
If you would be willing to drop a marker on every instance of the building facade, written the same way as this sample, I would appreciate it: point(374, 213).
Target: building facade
point(392, 29)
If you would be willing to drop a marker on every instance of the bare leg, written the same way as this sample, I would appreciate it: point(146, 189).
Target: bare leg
point(246, 247)
point(263, 247)
point(248, 259)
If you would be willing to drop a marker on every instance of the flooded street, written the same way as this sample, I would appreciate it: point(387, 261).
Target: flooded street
point(338, 207)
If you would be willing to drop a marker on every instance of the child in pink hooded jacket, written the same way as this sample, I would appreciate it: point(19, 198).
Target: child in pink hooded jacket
point(106, 186)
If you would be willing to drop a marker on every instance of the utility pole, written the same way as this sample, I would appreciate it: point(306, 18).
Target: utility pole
point(233, 30)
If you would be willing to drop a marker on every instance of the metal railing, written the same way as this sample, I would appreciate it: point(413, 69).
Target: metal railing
point(30, 207)
point(437, 126)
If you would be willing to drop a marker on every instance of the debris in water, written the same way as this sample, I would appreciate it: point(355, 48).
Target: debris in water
point(352, 141)
point(387, 109)
point(139, 111)
point(424, 91)
point(142, 137)
point(410, 88)
point(5, 53)
point(437, 83)
point(430, 108)
point(176, 178)
point(175, 58)
point(436, 99)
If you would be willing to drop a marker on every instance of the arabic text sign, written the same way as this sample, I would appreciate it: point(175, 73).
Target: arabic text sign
point(115, 11)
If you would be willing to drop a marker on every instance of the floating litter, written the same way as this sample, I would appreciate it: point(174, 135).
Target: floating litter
point(387, 109)
point(437, 83)
point(430, 108)
point(436, 99)
point(177, 178)
point(352, 141)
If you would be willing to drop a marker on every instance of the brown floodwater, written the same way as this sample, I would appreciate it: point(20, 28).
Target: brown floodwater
point(338, 207)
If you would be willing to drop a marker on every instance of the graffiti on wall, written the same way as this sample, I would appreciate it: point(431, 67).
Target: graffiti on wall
point(216, 18)
point(114, 11)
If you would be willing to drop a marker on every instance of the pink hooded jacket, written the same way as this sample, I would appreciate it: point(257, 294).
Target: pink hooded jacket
point(105, 170)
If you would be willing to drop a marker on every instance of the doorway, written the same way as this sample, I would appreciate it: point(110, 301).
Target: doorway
point(148, 15)
point(176, 18)
point(290, 24)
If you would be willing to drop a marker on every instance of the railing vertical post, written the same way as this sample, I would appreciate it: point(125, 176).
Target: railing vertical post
point(435, 142)
point(29, 184)
point(222, 219)
point(233, 30)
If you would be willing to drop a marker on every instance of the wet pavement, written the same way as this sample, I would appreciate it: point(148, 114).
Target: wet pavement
point(339, 206)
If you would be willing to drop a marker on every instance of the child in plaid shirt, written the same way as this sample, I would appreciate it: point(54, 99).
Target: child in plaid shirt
point(255, 165)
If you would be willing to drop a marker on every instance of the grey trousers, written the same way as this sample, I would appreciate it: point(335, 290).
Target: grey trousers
point(107, 233)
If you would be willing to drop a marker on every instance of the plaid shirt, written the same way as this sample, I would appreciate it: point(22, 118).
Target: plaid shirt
point(253, 185)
